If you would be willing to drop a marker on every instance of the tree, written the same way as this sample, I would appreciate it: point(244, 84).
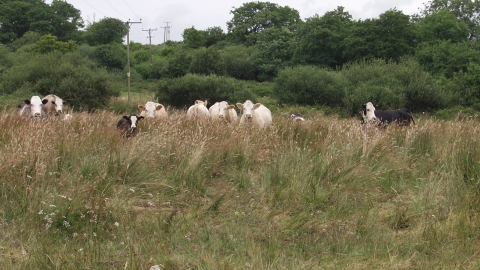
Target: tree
point(105, 31)
point(446, 58)
point(254, 17)
point(391, 36)
point(275, 49)
point(193, 38)
point(466, 11)
point(321, 39)
point(60, 19)
point(441, 25)
point(214, 35)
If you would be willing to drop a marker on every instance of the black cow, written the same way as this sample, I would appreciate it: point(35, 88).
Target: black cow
point(128, 124)
point(401, 116)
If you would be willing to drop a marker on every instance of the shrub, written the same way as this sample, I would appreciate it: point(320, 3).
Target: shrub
point(206, 62)
point(309, 85)
point(238, 62)
point(111, 56)
point(69, 76)
point(393, 85)
point(181, 92)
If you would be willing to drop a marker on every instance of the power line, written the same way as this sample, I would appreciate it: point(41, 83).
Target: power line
point(130, 9)
point(116, 10)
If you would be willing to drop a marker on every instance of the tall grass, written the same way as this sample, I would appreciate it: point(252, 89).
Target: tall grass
point(326, 193)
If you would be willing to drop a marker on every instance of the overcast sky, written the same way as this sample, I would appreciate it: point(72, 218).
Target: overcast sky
point(183, 14)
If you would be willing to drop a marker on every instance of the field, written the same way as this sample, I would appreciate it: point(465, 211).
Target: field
point(325, 194)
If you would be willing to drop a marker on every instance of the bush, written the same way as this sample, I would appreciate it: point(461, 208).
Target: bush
point(309, 85)
point(207, 62)
point(182, 92)
point(238, 62)
point(69, 76)
point(393, 85)
point(112, 56)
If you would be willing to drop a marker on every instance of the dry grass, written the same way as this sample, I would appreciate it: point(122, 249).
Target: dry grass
point(327, 193)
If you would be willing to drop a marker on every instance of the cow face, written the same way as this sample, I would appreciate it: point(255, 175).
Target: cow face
point(133, 120)
point(35, 104)
point(296, 117)
point(222, 110)
point(368, 112)
point(150, 108)
point(58, 105)
point(248, 108)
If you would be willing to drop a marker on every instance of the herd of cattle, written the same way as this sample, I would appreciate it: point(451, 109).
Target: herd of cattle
point(256, 114)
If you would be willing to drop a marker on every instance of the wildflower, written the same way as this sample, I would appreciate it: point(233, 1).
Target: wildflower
point(41, 212)
point(116, 224)
point(132, 190)
point(66, 224)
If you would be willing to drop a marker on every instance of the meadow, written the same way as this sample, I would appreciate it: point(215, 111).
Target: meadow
point(327, 193)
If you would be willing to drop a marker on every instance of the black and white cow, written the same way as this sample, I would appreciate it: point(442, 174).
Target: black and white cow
point(401, 116)
point(32, 108)
point(128, 124)
point(297, 117)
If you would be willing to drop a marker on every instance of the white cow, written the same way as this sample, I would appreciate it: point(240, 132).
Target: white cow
point(32, 108)
point(54, 105)
point(153, 110)
point(198, 110)
point(257, 114)
point(221, 111)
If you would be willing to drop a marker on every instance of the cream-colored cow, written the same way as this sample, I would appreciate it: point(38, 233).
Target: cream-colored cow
point(221, 111)
point(198, 110)
point(257, 114)
point(153, 110)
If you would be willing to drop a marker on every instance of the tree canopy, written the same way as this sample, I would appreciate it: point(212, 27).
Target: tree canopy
point(254, 17)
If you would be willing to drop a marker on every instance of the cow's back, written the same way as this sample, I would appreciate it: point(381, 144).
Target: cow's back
point(263, 116)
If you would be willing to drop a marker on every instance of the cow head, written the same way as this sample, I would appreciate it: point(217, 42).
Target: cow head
point(150, 108)
point(222, 110)
point(296, 117)
point(248, 107)
point(133, 120)
point(58, 103)
point(368, 112)
point(35, 104)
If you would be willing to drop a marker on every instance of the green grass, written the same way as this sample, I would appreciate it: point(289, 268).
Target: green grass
point(323, 194)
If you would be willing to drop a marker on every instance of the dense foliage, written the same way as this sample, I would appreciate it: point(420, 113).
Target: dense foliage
point(426, 62)
point(182, 92)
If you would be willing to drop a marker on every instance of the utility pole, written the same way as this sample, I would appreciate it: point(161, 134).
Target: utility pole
point(150, 38)
point(127, 24)
point(166, 32)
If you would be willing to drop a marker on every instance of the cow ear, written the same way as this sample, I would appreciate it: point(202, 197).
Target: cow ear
point(126, 117)
point(197, 101)
point(231, 107)
point(141, 107)
point(240, 106)
point(159, 107)
point(257, 105)
point(27, 101)
point(140, 118)
point(205, 102)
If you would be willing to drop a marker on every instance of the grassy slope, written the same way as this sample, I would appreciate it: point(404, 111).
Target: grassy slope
point(328, 193)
